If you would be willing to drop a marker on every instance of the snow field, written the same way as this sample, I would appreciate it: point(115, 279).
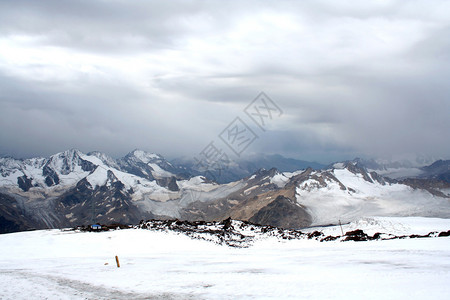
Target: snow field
point(156, 265)
point(328, 205)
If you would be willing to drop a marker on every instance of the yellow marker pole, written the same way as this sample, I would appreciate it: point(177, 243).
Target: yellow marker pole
point(117, 261)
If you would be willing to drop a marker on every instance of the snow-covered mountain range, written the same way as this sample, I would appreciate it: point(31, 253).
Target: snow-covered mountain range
point(72, 188)
point(418, 167)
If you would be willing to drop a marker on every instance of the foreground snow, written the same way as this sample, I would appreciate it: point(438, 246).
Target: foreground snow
point(158, 265)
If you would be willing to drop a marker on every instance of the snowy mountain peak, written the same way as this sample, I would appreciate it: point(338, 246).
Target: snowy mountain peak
point(264, 173)
point(105, 159)
point(67, 162)
point(143, 156)
point(102, 177)
point(9, 165)
point(60, 189)
point(67, 153)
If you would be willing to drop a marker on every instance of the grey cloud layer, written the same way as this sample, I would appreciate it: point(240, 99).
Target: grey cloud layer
point(352, 78)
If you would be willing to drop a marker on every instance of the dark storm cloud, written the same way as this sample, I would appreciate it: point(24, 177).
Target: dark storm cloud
point(352, 78)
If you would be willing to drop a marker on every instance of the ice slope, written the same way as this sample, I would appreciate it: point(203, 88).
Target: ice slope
point(159, 172)
point(399, 226)
point(280, 179)
point(145, 156)
point(399, 173)
point(192, 190)
point(158, 265)
point(159, 167)
point(330, 203)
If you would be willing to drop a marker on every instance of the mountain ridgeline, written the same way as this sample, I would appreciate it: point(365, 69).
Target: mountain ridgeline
point(72, 188)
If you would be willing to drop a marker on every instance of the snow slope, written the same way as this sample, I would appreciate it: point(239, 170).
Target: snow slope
point(280, 179)
point(350, 196)
point(158, 265)
point(399, 173)
point(399, 226)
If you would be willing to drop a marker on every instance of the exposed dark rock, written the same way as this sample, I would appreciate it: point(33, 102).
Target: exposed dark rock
point(86, 166)
point(377, 236)
point(314, 234)
point(284, 213)
point(227, 224)
point(133, 166)
point(169, 182)
point(14, 218)
point(439, 170)
point(227, 232)
point(444, 233)
point(380, 179)
point(51, 177)
point(357, 168)
point(329, 238)
point(173, 186)
point(103, 204)
point(24, 183)
point(356, 235)
point(320, 179)
point(431, 185)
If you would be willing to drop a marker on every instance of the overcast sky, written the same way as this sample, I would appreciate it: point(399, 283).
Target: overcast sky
point(352, 78)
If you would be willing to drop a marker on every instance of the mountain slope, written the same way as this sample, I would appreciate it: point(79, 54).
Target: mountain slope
point(245, 167)
point(72, 188)
point(439, 170)
point(342, 193)
point(404, 169)
point(350, 192)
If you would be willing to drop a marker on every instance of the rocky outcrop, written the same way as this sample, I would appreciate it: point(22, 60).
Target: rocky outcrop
point(284, 213)
point(13, 216)
point(24, 183)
